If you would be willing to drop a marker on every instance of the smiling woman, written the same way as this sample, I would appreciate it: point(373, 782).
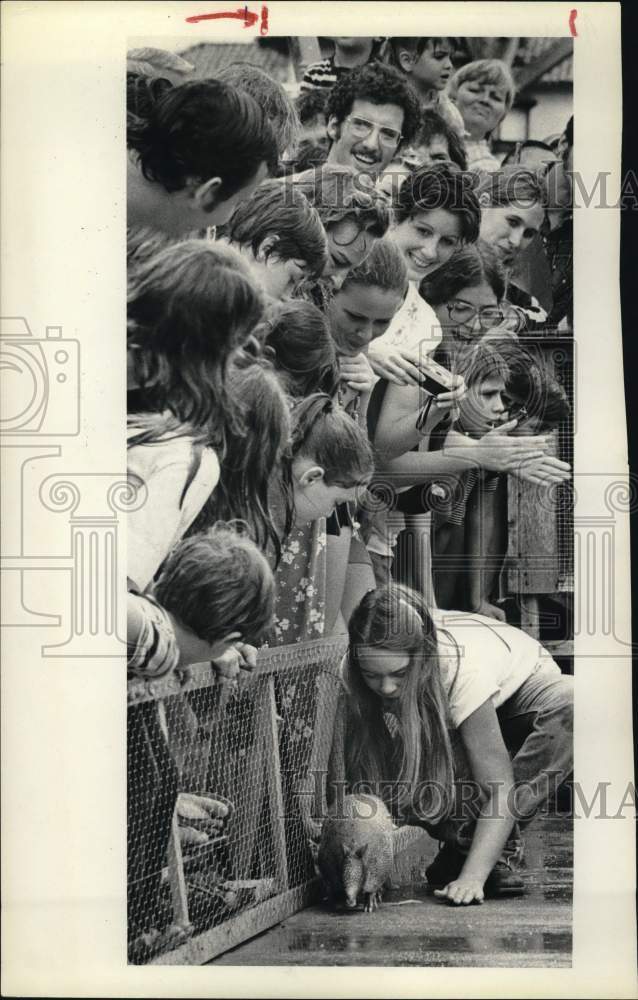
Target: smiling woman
point(466, 296)
point(483, 91)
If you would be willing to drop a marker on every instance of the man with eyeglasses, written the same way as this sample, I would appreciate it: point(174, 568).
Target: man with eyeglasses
point(371, 112)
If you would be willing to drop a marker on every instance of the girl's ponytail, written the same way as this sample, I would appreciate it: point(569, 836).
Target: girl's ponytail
point(321, 430)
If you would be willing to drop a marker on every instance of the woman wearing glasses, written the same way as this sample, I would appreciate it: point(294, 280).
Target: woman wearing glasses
point(467, 297)
point(353, 217)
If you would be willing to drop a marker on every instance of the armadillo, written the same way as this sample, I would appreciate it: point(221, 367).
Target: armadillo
point(356, 850)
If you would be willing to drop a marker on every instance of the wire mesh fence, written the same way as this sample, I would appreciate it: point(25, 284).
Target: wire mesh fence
point(218, 845)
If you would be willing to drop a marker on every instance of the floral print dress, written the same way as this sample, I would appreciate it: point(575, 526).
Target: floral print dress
point(300, 582)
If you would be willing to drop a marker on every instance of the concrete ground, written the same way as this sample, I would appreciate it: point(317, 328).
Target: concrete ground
point(413, 928)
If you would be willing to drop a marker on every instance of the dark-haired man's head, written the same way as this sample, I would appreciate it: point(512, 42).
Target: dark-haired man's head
point(371, 111)
point(196, 151)
point(533, 154)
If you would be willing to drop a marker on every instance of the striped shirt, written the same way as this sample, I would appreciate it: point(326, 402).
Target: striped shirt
point(323, 75)
point(151, 646)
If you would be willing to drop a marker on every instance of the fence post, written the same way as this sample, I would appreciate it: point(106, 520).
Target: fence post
point(272, 765)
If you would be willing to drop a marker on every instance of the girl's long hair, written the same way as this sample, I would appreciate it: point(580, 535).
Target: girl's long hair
point(253, 456)
point(190, 306)
point(297, 336)
point(395, 619)
point(159, 428)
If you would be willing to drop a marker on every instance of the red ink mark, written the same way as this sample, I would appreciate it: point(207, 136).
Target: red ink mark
point(572, 22)
point(263, 30)
point(242, 14)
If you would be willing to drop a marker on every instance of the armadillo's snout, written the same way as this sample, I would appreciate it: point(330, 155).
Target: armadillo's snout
point(351, 901)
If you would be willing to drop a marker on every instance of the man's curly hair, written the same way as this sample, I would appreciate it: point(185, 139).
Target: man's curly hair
point(381, 85)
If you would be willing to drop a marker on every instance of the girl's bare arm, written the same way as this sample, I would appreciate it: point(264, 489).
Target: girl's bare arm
point(492, 770)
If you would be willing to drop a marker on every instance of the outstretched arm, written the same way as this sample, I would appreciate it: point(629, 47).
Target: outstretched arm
point(492, 769)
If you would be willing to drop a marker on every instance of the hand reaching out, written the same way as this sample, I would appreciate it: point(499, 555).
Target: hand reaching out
point(544, 471)
point(499, 452)
point(462, 891)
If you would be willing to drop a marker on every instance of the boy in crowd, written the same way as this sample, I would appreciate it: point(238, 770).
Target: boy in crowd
point(213, 599)
point(311, 107)
point(371, 112)
point(281, 237)
point(427, 64)
point(278, 108)
point(508, 392)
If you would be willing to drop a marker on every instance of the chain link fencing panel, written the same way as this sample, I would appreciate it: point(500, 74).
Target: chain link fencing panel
point(219, 844)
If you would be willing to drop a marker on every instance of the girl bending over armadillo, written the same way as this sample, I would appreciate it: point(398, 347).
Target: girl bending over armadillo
point(428, 712)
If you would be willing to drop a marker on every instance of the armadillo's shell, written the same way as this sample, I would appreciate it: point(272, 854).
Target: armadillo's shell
point(377, 832)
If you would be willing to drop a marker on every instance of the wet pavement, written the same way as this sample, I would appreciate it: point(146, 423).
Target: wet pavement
point(414, 928)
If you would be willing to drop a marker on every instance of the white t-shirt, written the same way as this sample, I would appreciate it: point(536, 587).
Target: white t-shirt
point(482, 658)
point(164, 517)
point(415, 326)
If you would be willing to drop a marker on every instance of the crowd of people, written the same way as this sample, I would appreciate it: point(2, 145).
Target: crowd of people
point(330, 378)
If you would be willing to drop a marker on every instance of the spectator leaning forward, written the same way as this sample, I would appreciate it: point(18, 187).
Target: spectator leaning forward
point(194, 154)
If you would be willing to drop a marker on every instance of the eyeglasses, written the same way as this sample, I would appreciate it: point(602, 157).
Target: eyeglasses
point(360, 128)
point(347, 231)
point(463, 312)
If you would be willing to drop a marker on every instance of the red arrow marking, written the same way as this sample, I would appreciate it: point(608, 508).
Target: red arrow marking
point(572, 22)
point(243, 14)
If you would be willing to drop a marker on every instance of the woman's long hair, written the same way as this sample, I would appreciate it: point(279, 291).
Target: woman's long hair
point(297, 336)
point(159, 428)
point(253, 456)
point(395, 619)
point(190, 306)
